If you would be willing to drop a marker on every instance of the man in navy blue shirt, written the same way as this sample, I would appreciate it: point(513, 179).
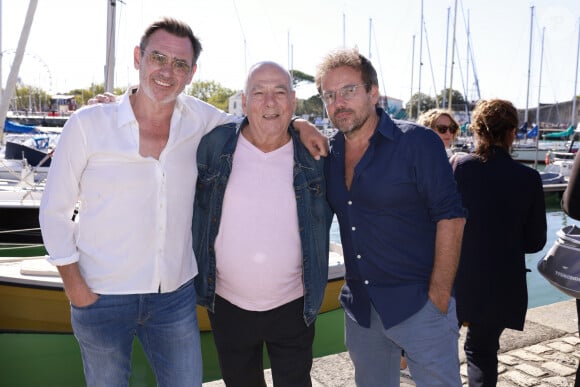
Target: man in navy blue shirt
point(401, 222)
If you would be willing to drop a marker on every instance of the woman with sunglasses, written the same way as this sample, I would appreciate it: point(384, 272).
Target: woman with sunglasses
point(442, 123)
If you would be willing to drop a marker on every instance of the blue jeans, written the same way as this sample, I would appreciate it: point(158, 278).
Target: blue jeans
point(166, 325)
point(429, 339)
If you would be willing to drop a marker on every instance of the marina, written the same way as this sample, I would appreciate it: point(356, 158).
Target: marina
point(56, 358)
point(39, 349)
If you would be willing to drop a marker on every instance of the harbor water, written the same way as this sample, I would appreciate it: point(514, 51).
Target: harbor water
point(540, 291)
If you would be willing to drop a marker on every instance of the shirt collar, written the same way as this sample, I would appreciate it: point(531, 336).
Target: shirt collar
point(126, 116)
point(386, 126)
point(125, 111)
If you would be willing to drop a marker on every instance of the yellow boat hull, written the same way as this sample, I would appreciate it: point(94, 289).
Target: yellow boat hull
point(43, 309)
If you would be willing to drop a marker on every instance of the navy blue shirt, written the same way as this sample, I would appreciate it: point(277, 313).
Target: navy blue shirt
point(402, 186)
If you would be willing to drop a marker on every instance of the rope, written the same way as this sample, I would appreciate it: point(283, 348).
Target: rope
point(21, 230)
point(20, 247)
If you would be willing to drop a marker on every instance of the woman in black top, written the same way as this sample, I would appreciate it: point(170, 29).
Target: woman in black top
point(506, 219)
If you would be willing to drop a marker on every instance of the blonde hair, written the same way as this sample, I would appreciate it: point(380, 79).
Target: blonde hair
point(430, 117)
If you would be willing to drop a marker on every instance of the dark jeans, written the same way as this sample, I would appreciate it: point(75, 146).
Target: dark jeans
point(240, 336)
point(481, 347)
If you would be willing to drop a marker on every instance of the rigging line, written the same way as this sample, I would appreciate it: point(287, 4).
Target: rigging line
point(430, 63)
point(475, 77)
point(547, 71)
point(460, 68)
point(13, 247)
point(243, 36)
point(470, 54)
point(20, 230)
point(379, 62)
point(420, 61)
point(535, 30)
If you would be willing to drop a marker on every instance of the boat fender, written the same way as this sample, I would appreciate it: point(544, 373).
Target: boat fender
point(561, 265)
point(547, 158)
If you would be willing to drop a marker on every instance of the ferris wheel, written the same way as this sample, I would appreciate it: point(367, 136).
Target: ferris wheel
point(34, 72)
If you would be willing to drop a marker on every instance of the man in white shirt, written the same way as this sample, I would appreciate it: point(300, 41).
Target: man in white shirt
point(127, 264)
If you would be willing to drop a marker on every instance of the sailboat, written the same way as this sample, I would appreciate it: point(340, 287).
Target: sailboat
point(26, 160)
point(562, 135)
point(535, 151)
point(19, 196)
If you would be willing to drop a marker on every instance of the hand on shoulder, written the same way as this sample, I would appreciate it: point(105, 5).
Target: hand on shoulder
point(102, 98)
point(454, 159)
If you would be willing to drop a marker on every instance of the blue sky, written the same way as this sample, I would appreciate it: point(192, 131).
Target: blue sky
point(66, 47)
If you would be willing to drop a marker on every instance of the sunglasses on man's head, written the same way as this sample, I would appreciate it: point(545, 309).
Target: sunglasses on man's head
point(444, 128)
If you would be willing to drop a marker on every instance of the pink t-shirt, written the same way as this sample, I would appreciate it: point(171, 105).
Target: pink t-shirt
point(258, 248)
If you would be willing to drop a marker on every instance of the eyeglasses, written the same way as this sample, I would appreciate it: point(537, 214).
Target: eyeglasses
point(347, 92)
point(444, 128)
point(156, 58)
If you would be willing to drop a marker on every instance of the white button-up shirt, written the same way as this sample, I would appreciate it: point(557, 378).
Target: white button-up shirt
point(133, 231)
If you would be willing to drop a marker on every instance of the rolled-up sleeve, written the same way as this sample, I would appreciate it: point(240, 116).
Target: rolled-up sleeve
point(61, 195)
point(435, 179)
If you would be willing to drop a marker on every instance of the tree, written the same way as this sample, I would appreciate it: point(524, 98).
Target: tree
point(83, 95)
point(30, 98)
point(426, 103)
point(312, 107)
point(456, 98)
point(298, 77)
point(33, 99)
point(212, 92)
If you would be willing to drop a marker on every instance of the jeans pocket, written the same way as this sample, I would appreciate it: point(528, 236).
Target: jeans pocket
point(436, 309)
point(86, 306)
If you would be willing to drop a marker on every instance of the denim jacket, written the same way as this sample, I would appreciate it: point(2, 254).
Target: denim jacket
point(214, 162)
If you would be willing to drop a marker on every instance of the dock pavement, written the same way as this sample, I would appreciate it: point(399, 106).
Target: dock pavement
point(546, 353)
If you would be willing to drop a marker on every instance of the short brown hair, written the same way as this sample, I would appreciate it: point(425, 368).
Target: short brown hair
point(174, 27)
point(349, 57)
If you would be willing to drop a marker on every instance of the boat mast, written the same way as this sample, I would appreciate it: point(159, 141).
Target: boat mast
point(13, 75)
point(370, 35)
point(539, 91)
point(450, 99)
point(420, 63)
point(343, 30)
point(540, 80)
point(412, 69)
point(244, 38)
point(444, 101)
point(529, 65)
point(110, 54)
point(467, 66)
point(573, 118)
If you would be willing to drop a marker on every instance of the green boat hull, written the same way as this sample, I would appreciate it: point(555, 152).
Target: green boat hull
point(35, 359)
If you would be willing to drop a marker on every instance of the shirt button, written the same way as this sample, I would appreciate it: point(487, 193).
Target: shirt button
point(358, 256)
point(350, 202)
point(366, 282)
point(353, 228)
